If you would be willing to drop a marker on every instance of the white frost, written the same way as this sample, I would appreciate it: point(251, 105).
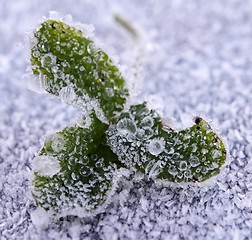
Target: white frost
point(46, 165)
point(67, 94)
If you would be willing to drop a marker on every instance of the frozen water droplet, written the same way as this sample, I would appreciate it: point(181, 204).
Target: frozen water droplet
point(85, 171)
point(183, 165)
point(58, 142)
point(46, 165)
point(188, 174)
point(130, 137)
point(36, 54)
point(82, 68)
point(84, 121)
point(145, 133)
point(99, 164)
point(48, 60)
point(57, 48)
point(147, 121)
point(213, 166)
point(175, 156)
point(194, 161)
point(156, 146)
point(180, 174)
point(67, 94)
point(194, 147)
point(204, 170)
point(90, 48)
point(126, 125)
point(80, 52)
point(172, 170)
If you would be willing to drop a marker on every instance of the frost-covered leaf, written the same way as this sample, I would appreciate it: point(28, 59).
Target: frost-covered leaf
point(74, 169)
point(139, 139)
point(69, 65)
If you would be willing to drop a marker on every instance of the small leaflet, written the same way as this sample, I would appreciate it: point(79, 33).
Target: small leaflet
point(74, 67)
point(139, 139)
point(74, 169)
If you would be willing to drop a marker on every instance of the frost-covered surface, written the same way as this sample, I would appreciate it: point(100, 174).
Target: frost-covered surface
point(197, 59)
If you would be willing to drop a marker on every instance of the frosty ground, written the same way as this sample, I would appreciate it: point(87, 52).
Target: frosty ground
point(195, 57)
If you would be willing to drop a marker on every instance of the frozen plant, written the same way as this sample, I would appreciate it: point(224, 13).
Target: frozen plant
point(78, 166)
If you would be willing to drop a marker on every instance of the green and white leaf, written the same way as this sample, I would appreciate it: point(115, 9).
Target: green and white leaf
point(69, 65)
point(139, 139)
point(75, 169)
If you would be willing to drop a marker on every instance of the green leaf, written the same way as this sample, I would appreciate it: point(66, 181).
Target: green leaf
point(139, 139)
point(75, 168)
point(70, 66)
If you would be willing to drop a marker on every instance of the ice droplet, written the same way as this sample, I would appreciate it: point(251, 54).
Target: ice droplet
point(46, 165)
point(125, 126)
point(188, 174)
point(80, 52)
point(85, 171)
point(84, 121)
point(147, 121)
point(172, 170)
point(82, 68)
point(175, 156)
point(194, 161)
point(36, 54)
point(48, 60)
point(183, 165)
point(58, 142)
point(90, 48)
point(156, 146)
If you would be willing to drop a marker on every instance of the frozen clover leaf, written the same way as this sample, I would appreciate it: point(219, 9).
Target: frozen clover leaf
point(69, 65)
point(139, 139)
point(75, 169)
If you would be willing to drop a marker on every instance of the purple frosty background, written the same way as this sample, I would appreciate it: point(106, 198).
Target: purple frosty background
point(196, 57)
